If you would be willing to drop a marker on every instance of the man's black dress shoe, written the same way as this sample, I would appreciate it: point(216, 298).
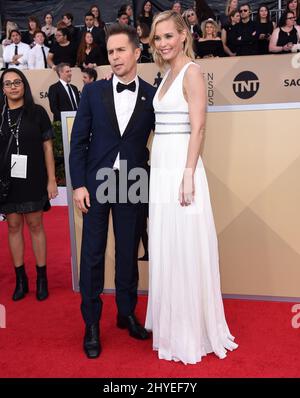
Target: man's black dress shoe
point(91, 342)
point(135, 329)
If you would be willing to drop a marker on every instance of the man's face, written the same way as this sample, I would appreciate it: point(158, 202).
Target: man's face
point(67, 21)
point(15, 38)
point(39, 38)
point(86, 78)
point(122, 55)
point(245, 12)
point(89, 21)
point(66, 74)
point(124, 19)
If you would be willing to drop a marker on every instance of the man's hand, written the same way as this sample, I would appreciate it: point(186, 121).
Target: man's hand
point(82, 199)
point(108, 76)
point(16, 58)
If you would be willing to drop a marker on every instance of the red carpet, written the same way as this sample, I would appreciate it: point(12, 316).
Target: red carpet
point(44, 339)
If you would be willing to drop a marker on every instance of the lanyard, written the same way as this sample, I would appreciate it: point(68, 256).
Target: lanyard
point(15, 127)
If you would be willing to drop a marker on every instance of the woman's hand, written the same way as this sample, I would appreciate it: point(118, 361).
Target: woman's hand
point(52, 189)
point(187, 189)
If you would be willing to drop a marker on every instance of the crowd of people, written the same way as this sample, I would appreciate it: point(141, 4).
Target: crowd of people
point(238, 31)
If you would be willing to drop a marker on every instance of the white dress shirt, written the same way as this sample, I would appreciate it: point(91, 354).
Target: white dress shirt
point(124, 106)
point(35, 57)
point(67, 91)
point(9, 52)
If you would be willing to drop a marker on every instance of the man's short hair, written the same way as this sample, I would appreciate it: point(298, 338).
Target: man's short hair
point(69, 16)
point(129, 31)
point(60, 67)
point(120, 13)
point(16, 31)
point(245, 4)
point(89, 14)
point(92, 73)
point(39, 31)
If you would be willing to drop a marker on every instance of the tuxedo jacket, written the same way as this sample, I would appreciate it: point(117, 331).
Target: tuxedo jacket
point(59, 99)
point(96, 139)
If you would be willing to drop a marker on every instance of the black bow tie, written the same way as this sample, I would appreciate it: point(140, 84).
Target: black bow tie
point(121, 87)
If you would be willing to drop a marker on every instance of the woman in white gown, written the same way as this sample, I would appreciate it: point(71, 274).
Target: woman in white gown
point(185, 309)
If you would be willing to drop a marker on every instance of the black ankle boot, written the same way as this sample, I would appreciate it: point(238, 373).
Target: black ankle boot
point(41, 283)
point(21, 283)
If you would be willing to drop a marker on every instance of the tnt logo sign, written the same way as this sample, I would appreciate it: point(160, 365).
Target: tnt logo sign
point(296, 318)
point(245, 85)
point(2, 317)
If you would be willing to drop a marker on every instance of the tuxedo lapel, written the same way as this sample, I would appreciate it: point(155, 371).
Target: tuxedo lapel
point(76, 93)
point(109, 103)
point(138, 109)
point(65, 95)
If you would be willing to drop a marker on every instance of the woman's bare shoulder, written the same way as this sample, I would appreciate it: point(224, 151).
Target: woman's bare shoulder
point(193, 70)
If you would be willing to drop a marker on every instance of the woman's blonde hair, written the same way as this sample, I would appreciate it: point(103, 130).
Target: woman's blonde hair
point(227, 7)
point(10, 25)
point(180, 26)
point(213, 23)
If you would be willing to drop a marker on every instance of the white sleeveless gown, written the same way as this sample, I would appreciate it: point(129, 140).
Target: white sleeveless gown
point(185, 309)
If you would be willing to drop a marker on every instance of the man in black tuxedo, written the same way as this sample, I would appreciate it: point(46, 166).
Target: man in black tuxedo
point(98, 35)
point(110, 134)
point(62, 95)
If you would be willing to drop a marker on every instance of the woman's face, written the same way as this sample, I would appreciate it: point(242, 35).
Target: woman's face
point(236, 18)
point(263, 12)
point(168, 41)
point(89, 38)
point(59, 37)
point(129, 11)
point(147, 6)
point(290, 19)
point(95, 12)
point(177, 8)
point(13, 91)
point(293, 5)
point(32, 25)
point(234, 4)
point(210, 30)
point(48, 19)
point(192, 18)
point(139, 31)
